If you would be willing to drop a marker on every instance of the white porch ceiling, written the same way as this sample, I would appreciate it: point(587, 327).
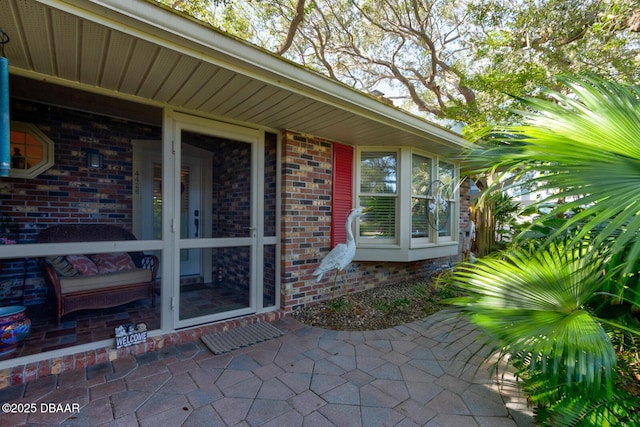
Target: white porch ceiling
point(137, 50)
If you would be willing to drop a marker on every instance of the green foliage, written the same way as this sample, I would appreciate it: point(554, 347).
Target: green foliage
point(504, 212)
point(535, 304)
point(339, 304)
point(576, 410)
point(455, 61)
point(584, 148)
point(422, 290)
point(523, 46)
point(539, 307)
point(400, 302)
point(396, 304)
point(382, 307)
point(565, 296)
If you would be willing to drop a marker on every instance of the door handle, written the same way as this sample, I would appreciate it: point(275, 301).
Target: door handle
point(196, 221)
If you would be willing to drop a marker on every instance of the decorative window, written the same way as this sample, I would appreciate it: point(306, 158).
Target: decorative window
point(31, 151)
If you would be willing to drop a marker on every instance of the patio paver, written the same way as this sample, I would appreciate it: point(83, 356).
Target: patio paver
point(425, 373)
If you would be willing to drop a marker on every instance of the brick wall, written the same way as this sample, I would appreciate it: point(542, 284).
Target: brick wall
point(306, 216)
point(269, 279)
point(306, 228)
point(465, 213)
point(69, 191)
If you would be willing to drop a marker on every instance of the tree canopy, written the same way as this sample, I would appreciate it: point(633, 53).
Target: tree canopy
point(456, 61)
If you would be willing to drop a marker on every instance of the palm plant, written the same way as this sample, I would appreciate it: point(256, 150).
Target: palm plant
point(553, 307)
point(536, 307)
point(585, 147)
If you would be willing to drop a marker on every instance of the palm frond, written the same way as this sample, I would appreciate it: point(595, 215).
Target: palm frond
point(576, 410)
point(585, 143)
point(536, 305)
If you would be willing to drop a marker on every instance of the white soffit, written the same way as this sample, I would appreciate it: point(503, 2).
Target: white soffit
point(139, 50)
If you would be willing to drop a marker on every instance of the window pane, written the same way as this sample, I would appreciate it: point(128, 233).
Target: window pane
point(269, 282)
point(444, 219)
point(157, 202)
point(446, 172)
point(444, 200)
point(231, 289)
point(420, 218)
point(378, 172)
point(380, 221)
point(420, 175)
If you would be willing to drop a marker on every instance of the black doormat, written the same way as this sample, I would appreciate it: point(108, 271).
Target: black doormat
point(233, 339)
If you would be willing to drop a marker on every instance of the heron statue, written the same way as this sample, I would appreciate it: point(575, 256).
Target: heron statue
point(341, 255)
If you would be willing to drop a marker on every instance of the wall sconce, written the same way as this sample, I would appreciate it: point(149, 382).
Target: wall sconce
point(94, 158)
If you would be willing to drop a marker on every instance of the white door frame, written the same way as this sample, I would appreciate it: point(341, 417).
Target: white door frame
point(174, 124)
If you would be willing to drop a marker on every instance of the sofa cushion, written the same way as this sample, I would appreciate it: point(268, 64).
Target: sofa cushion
point(62, 266)
point(83, 264)
point(102, 281)
point(112, 262)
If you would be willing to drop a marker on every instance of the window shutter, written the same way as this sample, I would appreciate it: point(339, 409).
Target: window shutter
point(342, 193)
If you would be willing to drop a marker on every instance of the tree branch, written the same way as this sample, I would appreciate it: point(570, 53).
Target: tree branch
point(293, 27)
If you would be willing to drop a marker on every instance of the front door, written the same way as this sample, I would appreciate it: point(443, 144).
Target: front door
point(148, 198)
point(195, 167)
point(218, 230)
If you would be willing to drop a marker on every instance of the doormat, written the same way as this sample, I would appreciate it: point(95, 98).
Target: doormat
point(233, 339)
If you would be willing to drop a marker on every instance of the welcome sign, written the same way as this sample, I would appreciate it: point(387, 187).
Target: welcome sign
point(127, 335)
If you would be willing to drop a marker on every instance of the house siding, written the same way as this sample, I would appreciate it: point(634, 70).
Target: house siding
point(306, 228)
point(305, 215)
point(465, 211)
point(69, 191)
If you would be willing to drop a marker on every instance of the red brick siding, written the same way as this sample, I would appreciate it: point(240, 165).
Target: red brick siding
point(69, 191)
point(465, 204)
point(306, 214)
point(23, 373)
point(306, 228)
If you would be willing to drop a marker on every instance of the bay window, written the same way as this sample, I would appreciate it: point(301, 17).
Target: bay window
point(413, 204)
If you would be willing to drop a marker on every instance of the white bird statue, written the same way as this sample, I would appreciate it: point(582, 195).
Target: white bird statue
point(342, 254)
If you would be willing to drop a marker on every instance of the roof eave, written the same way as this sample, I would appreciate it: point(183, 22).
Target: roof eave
point(160, 24)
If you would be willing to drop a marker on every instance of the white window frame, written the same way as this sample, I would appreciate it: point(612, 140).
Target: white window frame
point(422, 240)
point(379, 242)
point(452, 199)
point(404, 247)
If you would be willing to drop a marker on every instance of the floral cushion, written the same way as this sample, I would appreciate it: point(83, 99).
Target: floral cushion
point(83, 264)
point(62, 265)
point(112, 262)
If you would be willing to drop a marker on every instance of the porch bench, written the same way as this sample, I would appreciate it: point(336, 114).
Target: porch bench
point(111, 287)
